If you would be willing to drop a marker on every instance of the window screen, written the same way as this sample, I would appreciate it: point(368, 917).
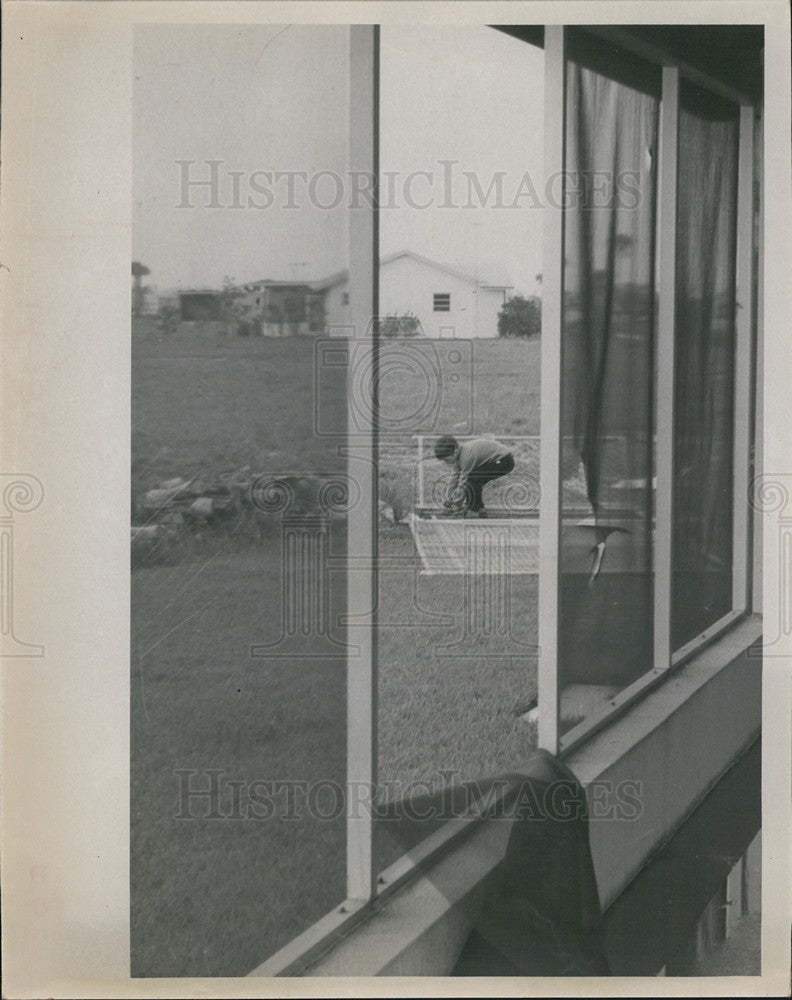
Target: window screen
point(704, 363)
point(606, 592)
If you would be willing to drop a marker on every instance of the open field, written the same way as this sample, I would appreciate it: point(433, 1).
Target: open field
point(215, 895)
point(203, 402)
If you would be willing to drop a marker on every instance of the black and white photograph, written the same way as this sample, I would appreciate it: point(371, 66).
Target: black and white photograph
point(429, 613)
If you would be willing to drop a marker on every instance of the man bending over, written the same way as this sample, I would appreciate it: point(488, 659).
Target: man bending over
point(475, 463)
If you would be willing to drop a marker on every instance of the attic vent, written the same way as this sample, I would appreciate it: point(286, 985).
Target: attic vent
point(442, 302)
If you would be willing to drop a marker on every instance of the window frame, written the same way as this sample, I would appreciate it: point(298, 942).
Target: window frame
point(363, 291)
point(665, 657)
point(365, 885)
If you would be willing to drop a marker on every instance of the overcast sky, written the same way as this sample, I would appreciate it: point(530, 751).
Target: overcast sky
point(266, 99)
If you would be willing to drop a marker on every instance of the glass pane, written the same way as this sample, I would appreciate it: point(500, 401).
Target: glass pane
point(704, 377)
point(606, 590)
point(238, 752)
point(460, 285)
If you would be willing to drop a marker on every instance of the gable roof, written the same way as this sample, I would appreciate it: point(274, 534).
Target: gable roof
point(332, 279)
point(253, 286)
point(487, 276)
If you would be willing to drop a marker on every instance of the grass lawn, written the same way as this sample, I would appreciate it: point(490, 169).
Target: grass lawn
point(450, 700)
point(203, 403)
point(456, 709)
point(216, 896)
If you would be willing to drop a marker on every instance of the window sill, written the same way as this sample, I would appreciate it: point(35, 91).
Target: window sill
point(708, 711)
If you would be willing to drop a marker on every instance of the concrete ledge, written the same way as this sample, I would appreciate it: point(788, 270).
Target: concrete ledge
point(421, 929)
point(674, 745)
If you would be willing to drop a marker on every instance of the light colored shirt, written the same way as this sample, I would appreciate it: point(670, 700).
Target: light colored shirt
point(473, 454)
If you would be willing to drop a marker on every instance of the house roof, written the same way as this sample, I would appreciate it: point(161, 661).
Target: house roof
point(332, 279)
point(251, 286)
point(488, 276)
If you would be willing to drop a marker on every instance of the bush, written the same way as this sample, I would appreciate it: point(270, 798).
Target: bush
point(405, 325)
point(520, 317)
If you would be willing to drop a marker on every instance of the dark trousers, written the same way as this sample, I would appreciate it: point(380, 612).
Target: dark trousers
point(484, 474)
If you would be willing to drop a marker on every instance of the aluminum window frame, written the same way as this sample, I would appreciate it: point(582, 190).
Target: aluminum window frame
point(665, 656)
point(365, 885)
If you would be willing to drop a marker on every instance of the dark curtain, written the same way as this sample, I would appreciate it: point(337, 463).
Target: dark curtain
point(606, 611)
point(704, 377)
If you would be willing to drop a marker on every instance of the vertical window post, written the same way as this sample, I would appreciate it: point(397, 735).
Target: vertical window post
point(551, 360)
point(421, 501)
point(666, 333)
point(742, 360)
point(758, 361)
point(362, 523)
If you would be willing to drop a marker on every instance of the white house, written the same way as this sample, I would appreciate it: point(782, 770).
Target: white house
point(335, 288)
point(449, 301)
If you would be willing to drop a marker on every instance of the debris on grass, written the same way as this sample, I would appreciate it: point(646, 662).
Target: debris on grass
point(233, 506)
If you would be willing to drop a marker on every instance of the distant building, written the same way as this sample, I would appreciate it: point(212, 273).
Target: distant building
point(448, 301)
point(200, 305)
point(335, 293)
point(280, 308)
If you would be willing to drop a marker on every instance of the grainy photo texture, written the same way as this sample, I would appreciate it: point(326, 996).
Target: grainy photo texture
point(446, 477)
